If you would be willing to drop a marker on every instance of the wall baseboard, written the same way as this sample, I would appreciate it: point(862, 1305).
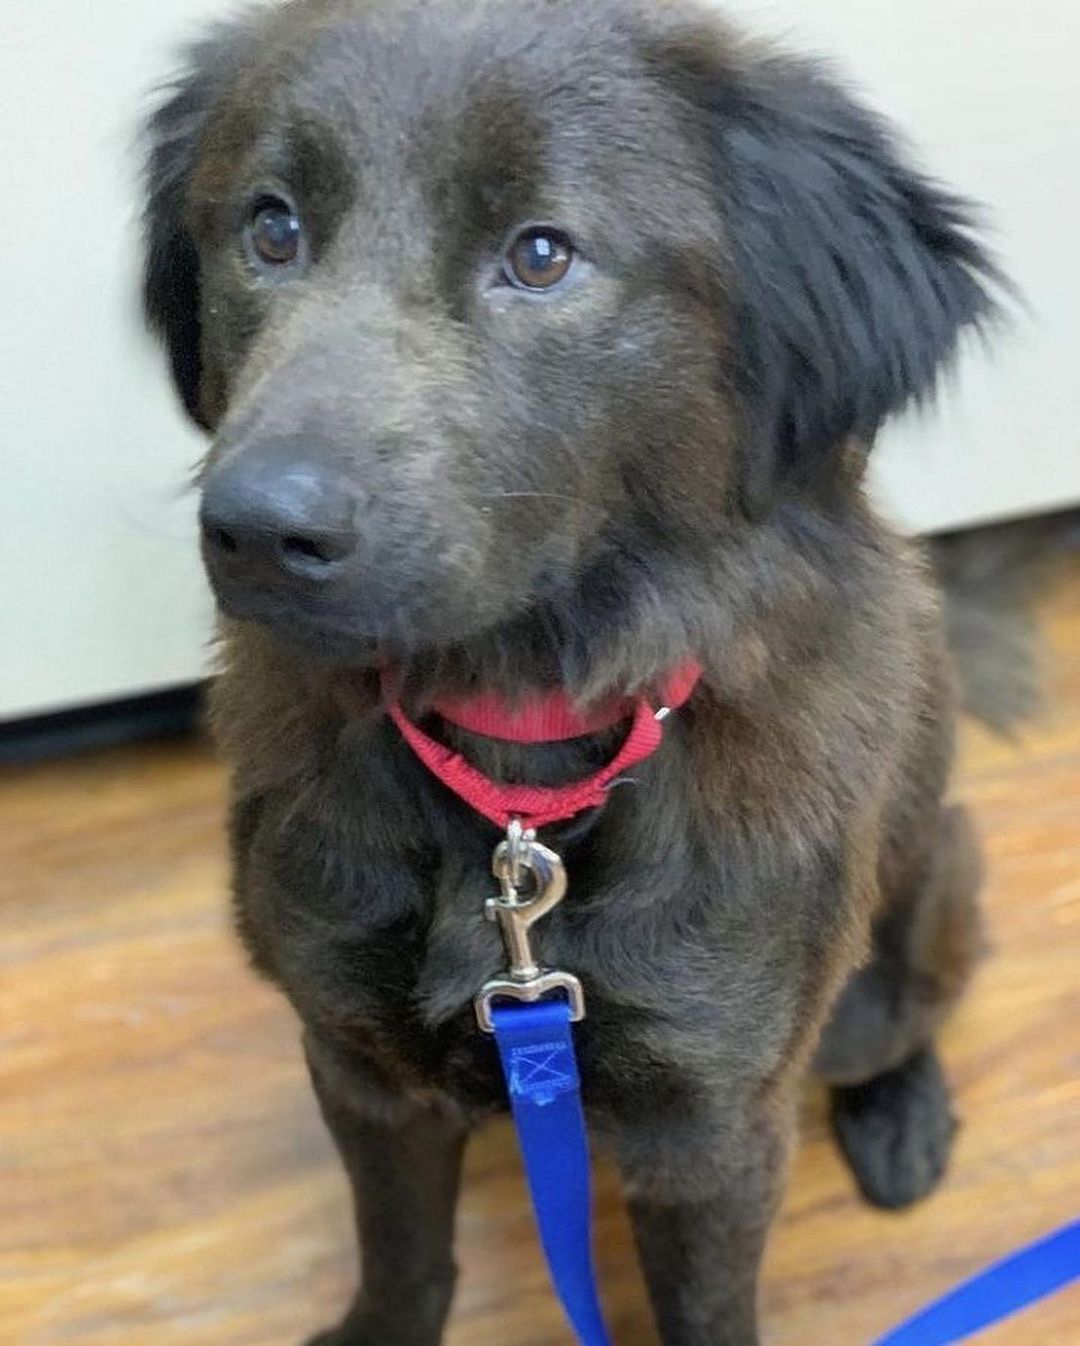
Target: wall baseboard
point(166, 714)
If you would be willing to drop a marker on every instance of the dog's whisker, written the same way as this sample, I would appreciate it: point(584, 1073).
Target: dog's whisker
point(536, 495)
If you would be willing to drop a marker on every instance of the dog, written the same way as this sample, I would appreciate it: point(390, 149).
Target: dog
point(543, 349)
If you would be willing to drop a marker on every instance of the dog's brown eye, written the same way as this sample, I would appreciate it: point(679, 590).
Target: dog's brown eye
point(275, 233)
point(538, 259)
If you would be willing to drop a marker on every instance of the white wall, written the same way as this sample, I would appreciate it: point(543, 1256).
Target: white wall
point(102, 594)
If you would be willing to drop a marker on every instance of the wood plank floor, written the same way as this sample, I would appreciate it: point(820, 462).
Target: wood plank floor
point(165, 1178)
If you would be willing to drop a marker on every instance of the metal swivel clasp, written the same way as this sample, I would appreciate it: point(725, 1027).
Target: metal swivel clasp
point(532, 880)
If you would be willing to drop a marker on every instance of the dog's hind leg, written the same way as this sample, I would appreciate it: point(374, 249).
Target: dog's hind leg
point(890, 1102)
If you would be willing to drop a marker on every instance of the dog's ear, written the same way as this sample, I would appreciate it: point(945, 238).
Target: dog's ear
point(171, 261)
point(851, 275)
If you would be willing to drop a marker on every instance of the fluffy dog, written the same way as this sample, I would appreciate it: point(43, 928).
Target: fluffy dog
point(543, 346)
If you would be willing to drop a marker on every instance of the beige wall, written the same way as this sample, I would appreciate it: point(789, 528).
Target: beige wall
point(102, 594)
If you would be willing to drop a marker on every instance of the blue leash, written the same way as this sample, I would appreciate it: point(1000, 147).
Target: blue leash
point(537, 1052)
point(536, 1048)
point(1002, 1290)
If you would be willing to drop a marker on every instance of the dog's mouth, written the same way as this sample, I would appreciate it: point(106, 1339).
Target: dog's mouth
point(323, 633)
point(354, 634)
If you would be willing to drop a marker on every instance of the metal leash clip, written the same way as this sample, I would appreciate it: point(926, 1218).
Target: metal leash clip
point(532, 881)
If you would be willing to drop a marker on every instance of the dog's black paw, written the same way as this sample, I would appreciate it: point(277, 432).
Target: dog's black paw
point(348, 1333)
point(896, 1131)
point(358, 1329)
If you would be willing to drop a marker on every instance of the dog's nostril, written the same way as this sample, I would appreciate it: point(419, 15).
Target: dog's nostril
point(271, 517)
point(223, 540)
point(295, 547)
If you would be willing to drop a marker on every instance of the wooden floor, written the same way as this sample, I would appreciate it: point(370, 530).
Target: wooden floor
point(165, 1178)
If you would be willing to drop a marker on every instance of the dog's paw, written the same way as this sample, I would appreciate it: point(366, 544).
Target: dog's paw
point(896, 1131)
point(348, 1333)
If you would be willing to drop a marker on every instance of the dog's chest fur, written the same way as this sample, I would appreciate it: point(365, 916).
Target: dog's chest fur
point(362, 893)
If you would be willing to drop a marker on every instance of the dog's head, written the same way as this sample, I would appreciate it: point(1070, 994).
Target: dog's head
point(488, 303)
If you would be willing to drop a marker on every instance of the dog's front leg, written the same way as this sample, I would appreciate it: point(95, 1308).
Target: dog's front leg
point(701, 1198)
point(404, 1161)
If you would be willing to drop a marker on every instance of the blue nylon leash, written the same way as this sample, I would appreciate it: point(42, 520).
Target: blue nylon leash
point(536, 1048)
point(1002, 1290)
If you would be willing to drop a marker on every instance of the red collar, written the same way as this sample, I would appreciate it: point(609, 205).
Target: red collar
point(546, 719)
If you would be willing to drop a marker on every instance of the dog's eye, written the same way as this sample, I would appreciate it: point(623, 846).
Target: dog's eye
point(538, 259)
point(275, 232)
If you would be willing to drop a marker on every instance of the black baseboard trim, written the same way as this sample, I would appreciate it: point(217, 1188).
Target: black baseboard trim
point(166, 714)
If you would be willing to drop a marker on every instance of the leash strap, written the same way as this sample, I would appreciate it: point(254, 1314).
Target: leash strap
point(1002, 1290)
point(536, 1048)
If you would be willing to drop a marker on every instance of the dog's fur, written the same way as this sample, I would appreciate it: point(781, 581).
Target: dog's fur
point(581, 489)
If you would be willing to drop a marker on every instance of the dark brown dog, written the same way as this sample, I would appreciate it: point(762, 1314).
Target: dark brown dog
point(542, 346)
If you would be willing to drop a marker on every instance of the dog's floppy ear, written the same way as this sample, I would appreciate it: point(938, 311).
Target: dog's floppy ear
point(171, 262)
point(851, 274)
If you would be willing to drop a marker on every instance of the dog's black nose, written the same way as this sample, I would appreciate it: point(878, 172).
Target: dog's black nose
point(275, 515)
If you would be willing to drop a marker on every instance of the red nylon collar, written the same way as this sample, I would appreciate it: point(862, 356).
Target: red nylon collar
point(548, 718)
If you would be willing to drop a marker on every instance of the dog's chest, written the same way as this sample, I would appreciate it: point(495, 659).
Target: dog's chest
point(386, 958)
point(402, 997)
point(383, 944)
point(410, 1010)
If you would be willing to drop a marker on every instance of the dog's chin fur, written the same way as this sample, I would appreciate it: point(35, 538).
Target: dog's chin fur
point(767, 281)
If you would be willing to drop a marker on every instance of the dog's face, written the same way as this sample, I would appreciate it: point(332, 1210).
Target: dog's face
point(486, 303)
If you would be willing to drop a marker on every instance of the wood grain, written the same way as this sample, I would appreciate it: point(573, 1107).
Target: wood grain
point(166, 1180)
